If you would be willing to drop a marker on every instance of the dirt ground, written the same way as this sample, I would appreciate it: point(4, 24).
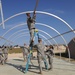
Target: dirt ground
point(16, 66)
point(18, 55)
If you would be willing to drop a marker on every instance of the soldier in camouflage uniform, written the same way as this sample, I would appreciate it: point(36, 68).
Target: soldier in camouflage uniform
point(5, 51)
point(31, 26)
point(25, 52)
point(1, 56)
point(50, 55)
point(40, 53)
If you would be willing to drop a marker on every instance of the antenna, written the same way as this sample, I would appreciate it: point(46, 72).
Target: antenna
point(1, 11)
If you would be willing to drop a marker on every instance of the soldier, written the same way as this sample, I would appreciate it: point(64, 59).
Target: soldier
point(31, 26)
point(1, 56)
point(5, 51)
point(25, 52)
point(41, 54)
point(50, 54)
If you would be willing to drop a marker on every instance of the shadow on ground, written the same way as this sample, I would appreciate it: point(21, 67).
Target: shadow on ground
point(32, 68)
point(18, 59)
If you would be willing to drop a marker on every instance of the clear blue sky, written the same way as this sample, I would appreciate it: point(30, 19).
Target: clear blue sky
point(65, 9)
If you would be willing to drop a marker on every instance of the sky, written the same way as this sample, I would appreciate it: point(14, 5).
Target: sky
point(65, 9)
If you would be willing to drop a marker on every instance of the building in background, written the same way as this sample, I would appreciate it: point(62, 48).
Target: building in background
point(71, 46)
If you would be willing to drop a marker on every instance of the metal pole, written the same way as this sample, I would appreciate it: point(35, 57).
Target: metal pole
point(6, 39)
point(2, 14)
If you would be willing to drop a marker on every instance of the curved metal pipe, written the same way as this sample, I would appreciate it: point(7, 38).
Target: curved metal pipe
point(41, 13)
point(27, 35)
point(42, 25)
point(38, 29)
point(28, 32)
point(38, 24)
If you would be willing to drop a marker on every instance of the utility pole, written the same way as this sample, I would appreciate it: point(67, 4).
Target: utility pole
point(2, 17)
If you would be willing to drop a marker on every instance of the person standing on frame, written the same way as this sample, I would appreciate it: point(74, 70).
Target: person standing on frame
point(31, 26)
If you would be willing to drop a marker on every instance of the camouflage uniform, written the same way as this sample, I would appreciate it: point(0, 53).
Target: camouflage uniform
point(1, 56)
point(31, 27)
point(50, 54)
point(5, 51)
point(25, 52)
point(40, 55)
